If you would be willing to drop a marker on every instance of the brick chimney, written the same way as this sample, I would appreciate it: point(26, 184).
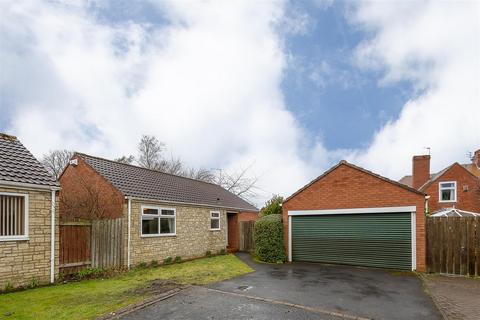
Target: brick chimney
point(476, 158)
point(420, 170)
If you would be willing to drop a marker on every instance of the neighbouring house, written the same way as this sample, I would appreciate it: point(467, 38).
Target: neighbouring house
point(352, 216)
point(164, 215)
point(457, 185)
point(28, 231)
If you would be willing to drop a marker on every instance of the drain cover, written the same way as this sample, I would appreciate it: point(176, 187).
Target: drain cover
point(243, 288)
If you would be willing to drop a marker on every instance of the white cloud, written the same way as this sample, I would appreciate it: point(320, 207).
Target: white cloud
point(435, 46)
point(207, 83)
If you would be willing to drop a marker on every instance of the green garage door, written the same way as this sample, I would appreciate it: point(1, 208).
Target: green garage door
point(373, 240)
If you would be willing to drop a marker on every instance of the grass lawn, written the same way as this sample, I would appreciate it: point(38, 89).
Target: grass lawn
point(91, 298)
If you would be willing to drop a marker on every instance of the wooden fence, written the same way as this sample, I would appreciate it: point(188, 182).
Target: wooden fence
point(246, 235)
point(453, 245)
point(96, 244)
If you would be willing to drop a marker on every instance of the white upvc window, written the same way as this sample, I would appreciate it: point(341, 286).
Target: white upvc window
point(214, 220)
point(447, 191)
point(13, 216)
point(158, 221)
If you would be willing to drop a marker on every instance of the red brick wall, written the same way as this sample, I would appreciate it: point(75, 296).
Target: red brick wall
point(466, 200)
point(247, 216)
point(77, 182)
point(347, 187)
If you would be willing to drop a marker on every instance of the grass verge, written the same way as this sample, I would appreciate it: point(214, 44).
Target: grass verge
point(92, 298)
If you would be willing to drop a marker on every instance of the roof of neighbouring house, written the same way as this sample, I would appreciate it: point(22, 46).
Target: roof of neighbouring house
point(454, 212)
point(343, 162)
point(18, 165)
point(472, 168)
point(408, 180)
point(142, 183)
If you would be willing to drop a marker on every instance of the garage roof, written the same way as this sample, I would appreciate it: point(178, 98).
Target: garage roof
point(138, 182)
point(345, 163)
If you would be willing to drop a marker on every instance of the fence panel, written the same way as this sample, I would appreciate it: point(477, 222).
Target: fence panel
point(107, 246)
point(453, 245)
point(74, 246)
point(246, 235)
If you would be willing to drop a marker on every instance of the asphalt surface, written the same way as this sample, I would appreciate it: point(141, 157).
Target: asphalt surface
point(301, 291)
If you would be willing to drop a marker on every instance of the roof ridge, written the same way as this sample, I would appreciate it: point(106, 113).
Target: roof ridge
point(139, 167)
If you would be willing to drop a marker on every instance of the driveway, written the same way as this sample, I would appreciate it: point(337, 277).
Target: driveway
point(301, 291)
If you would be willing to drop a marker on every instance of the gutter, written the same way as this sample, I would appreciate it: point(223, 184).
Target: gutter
point(52, 240)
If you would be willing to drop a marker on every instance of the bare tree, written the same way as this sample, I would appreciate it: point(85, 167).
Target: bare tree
point(85, 199)
point(150, 152)
point(126, 159)
point(240, 182)
point(55, 161)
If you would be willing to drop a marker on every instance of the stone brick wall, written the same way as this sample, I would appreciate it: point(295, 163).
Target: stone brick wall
point(21, 261)
point(193, 235)
point(347, 187)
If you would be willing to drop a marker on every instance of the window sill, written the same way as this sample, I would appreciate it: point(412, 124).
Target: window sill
point(215, 229)
point(158, 235)
point(447, 201)
point(14, 238)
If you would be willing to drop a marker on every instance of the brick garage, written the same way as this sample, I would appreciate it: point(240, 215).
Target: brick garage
point(345, 188)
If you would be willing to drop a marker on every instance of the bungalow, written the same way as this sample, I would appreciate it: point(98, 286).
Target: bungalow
point(164, 215)
point(352, 216)
point(28, 232)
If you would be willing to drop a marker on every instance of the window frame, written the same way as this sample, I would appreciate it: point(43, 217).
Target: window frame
point(159, 216)
point(440, 189)
point(215, 218)
point(25, 220)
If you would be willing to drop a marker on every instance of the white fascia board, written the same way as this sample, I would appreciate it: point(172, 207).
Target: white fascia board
point(352, 211)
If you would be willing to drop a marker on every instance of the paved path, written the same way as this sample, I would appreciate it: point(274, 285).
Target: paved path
point(458, 298)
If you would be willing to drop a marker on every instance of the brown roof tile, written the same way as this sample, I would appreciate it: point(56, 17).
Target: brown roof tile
point(138, 182)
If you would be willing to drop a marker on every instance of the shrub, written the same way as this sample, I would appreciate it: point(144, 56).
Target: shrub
point(272, 206)
point(154, 263)
point(89, 273)
point(222, 251)
point(178, 259)
point(268, 238)
point(208, 253)
point(167, 260)
point(142, 265)
point(8, 287)
point(33, 282)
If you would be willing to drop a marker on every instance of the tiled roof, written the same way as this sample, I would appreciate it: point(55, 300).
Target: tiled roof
point(17, 164)
point(472, 168)
point(138, 182)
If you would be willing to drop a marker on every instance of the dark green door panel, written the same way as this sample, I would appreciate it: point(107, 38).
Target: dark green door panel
point(373, 240)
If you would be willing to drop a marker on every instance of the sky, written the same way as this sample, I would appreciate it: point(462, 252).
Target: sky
point(287, 88)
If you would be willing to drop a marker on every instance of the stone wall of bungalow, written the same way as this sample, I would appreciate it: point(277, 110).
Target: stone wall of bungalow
point(192, 239)
point(23, 262)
